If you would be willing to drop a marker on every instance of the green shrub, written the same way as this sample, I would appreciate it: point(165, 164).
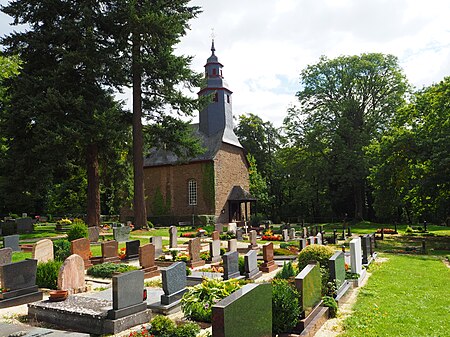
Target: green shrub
point(241, 264)
point(205, 255)
point(207, 219)
point(197, 302)
point(318, 253)
point(281, 252)
point(285, 306)
point(61, 249)
point(188, 329)
point(107, 269)
point(47, 274)
point(162, 326)
point(288, 271)
point(77, 231)
point(408, 229)
point(351, 276)
point(330, 302)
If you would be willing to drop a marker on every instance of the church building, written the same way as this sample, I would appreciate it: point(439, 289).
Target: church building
point(213, 183)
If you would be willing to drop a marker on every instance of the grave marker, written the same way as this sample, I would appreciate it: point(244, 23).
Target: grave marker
point(356, 256)
point(71, 275)
point(253, 245)
point(157, 242)
point(132, 249)
point(147, 260)
point(285, 235)
point(82, 248)
point(173, 231)
point(24, 225)
point(93, 233)
point(292, 234)
point(11, 241)
point(232, 227)
point(309, 286)
point(214, 250)
point(43, 250)
point(239, 234)
point(230, 265)
point(302, 244)
point(194, 247)
point(121, 234)
point(5, 255)
point(365, 243)
point(269, 264)
point(232, 245)
point(252, 271)
point(173, 283)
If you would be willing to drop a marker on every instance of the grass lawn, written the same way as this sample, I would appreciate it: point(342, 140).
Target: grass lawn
point(405, 296)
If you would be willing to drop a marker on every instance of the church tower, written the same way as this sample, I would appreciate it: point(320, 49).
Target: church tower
point(217, 117)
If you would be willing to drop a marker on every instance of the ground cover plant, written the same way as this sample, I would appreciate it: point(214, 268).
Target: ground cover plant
point(405, 296)
point(107, 269)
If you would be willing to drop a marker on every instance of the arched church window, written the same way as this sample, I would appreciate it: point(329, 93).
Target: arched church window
point(192, 192)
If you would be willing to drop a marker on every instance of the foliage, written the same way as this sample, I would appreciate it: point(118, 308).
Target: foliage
point(330, 302)
point(107, 269)
point(287, 272)
point(160, 205)
point(77, 230)
point(61, 249)
point(318, 253)
point(408, 229)
point(197, 302)
point(241, 264)
point(64, 221)
point(162, 326)
point(207, 219)
point(351, 276)
point(47, 274)
point(285, 306)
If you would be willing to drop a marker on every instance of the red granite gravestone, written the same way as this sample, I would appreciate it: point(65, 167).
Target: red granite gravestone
point(147, 260)
point(82, 247)
point(194, 247)
point(269, 264)
point(71, 275)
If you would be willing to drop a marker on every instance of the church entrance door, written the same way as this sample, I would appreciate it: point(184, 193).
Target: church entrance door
point(235, 211)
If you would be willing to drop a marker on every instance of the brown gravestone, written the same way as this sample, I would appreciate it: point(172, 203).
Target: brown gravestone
point(269, 264)
point(93, 233)
point(43, 251)
point(110, 251)
point(194, 247)
point(71, 275)
point(82, 247)
point(5, 256)
point(147, 260)
point(215, 235)
point(253, 244)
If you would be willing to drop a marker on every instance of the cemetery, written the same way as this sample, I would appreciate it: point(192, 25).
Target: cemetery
point(104, 286)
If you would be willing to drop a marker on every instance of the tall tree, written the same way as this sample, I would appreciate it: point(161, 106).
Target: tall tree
point(344, 104)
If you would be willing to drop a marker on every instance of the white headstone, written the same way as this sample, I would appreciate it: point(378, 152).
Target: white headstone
point(356, 256)
point(232, 227)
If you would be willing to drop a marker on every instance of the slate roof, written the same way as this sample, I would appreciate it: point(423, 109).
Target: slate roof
point(211, 144)
point(239, 194)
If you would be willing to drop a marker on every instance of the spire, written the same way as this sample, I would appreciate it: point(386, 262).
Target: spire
point(213, 49)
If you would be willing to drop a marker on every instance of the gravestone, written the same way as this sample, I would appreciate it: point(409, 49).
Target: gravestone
point(110, 251)
point(232, 245)
point(230, 265)
point(43, 251)
point(20, 280)
point(239, 234)
point(11, 241)
point(5, 256)
point(334, 236)
point(372, 244)
point(305, 232)
point(337, 268)
point(173, 231)
point(245, 313)
point(71, 275)
point(121, 234)
point(253, 245)
point(356, 256)
point(269, 264)
point(365, 243)
point(251, 270)
point(82, 248)
point(319, 238)
point(214, 250)
point(93, 233)
point(147, 260)
point(24, 225)
point(311, 240)
point(194, 247)
point(132, 249)
point(292, 234)
point(218, 227)
point(309, 286)
point(9, 227)
point(215, 235)
point(285, 235)
point(157, 242)
point(173, 283)
point(302, 244)
point(232, 227)
point(127, 294)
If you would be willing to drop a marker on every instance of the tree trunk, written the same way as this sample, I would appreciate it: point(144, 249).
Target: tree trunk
point(358, 194)
point(93, 193)
point(140, 213)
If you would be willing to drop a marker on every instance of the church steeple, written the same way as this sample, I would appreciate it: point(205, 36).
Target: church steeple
point(218, 115)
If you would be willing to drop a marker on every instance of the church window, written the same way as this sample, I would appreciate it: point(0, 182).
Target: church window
point(228, 98)
point(192, 192)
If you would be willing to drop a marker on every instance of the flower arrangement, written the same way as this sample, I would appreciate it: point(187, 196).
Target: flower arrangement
point(189, 235)
point(64, 221)
point(3, 290)
point(387, 231)
point(122, 253)
point(271, 237)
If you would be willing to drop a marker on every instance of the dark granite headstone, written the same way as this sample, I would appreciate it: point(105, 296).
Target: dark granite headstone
point(24, 225)
point(127, 294)
point(11, 241)
point(19, 275)
point(337, 268)
point(173, 282)
point(5, 255)
point(230, 265)
point(9, 227)
point(251, 265)
point(365, 242)
point(173, 231)
point(121, 234)
point(132, 249)
point(309, 285)
point(157, 242)
point(372, 243)
point(232, 316)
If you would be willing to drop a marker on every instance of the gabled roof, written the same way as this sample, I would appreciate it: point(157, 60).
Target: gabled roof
point(211, 145)
point(239, 194)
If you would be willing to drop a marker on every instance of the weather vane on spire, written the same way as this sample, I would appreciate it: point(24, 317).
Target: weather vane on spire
point(212, 38)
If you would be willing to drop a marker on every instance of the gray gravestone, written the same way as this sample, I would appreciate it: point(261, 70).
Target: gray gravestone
point(356, 256)
point(365, 242)
point(11, 241)
point(232, 245)
point(251, 265)
point(157, 242)
point(93, 233)
point(173, 282)
point(305, 232)
point(337, 268)
point(19, 275)
point(24, 225)
point(239, 234)
point(253, 244)
point(311, 240)
point(285, 235)
point(230, 265)
point(121, 234)
point(292, 234)
point(5, 256)
point(319, 238)
point(372, 244)
point(214, 249)
point(132, 249)
point(127, 293)
point(173, 231)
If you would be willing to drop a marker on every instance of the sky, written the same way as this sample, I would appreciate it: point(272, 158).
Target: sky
point(265, 44)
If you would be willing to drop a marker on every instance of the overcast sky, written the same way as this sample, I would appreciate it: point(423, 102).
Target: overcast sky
point(264, 44)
